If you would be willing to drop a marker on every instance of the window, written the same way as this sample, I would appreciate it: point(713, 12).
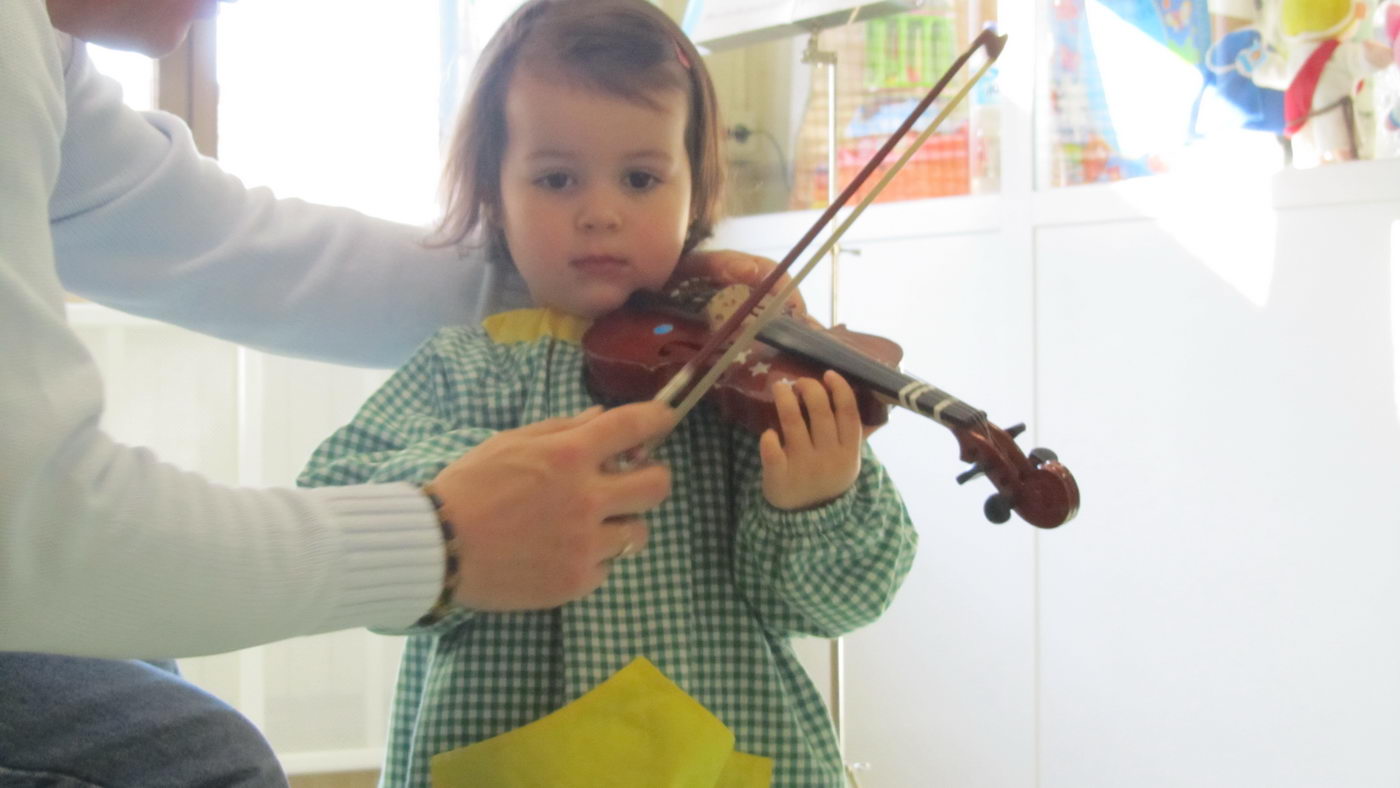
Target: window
point(136, 73)
point(336, 103)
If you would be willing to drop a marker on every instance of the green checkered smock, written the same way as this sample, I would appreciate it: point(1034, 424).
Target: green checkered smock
point(725, 580)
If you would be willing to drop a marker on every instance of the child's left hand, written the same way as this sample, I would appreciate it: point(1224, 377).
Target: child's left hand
point(818, 458)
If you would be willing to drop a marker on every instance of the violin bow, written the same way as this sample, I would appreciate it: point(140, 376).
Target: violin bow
point(745, 332)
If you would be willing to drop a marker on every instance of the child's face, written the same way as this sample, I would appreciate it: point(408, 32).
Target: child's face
point(595, 191)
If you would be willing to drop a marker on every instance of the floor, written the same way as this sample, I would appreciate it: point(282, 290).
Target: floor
point(337, 780)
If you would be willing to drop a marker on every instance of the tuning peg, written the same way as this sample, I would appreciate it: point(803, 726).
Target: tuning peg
point(997, 508)
point(970, 474)
point(1039, 457)
point(1015, 429)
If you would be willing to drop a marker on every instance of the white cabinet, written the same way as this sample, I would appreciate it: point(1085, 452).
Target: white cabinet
point(1224, 612)
point(1218, 366)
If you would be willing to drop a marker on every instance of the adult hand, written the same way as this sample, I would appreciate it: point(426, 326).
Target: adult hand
point(537, 518)
point(735, 268)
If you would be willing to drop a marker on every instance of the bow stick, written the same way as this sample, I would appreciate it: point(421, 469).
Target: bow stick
point(747, 331)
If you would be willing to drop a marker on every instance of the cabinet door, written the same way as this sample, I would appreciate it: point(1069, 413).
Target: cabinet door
point(1223, 611)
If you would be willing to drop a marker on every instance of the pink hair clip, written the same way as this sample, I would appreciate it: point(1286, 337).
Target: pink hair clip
point(680, 55)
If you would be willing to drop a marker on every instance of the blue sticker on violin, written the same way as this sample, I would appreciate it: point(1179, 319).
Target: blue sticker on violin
point(664, 328)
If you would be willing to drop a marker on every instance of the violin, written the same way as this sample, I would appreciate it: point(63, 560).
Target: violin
point(634, 351)
point(631, 353)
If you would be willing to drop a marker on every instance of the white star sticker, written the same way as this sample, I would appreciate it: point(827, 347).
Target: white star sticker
point(761, 368)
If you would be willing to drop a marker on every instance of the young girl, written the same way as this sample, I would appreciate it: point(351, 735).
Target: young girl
point(588, 155)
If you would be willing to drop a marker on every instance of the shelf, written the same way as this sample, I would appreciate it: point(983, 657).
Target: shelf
point(1172, 194)
point(885, 221)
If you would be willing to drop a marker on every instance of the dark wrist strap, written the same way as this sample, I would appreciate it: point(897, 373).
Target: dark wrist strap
point(444, 604)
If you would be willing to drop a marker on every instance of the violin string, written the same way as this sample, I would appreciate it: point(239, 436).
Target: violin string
point(774, 305)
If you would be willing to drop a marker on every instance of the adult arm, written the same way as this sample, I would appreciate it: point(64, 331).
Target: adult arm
point(144, 223)
point(105, 551)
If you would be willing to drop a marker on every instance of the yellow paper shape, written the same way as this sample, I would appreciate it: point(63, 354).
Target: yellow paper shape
point(635, 730)
point(746, 771)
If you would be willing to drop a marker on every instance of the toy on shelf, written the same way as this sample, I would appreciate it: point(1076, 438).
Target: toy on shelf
point(1321, 73)
point(1388, 83)
point(1391, 24)
point(1228, 69)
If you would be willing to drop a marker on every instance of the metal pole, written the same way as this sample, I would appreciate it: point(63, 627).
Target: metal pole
point(813, 54)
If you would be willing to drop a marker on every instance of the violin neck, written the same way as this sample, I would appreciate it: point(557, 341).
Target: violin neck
point(791, 336)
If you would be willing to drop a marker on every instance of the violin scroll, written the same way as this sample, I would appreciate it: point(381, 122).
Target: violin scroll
point(1038, 488)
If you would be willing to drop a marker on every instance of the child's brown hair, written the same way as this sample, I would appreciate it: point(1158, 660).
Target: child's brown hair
point(627, 48)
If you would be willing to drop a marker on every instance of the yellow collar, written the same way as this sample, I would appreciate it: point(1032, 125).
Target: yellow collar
point(528, 325)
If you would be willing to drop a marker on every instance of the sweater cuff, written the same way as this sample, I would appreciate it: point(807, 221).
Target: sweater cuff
point(833, 521)
point(392, 558)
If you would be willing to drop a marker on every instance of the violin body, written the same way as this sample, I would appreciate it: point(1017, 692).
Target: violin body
point(634, 351)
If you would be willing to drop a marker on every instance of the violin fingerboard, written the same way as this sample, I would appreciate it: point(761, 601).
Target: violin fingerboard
point(792, 337)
